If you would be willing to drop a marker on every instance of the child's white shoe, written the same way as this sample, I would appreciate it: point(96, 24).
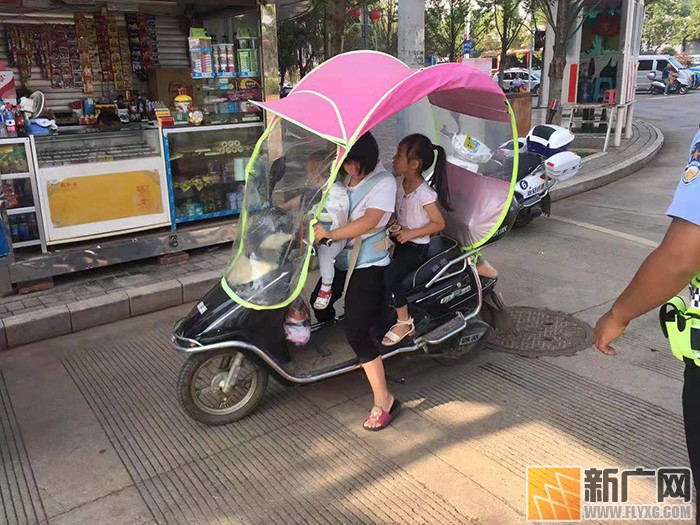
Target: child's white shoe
point(323, 299)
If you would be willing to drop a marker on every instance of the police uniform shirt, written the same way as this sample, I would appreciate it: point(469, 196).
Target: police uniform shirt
point(686, 202)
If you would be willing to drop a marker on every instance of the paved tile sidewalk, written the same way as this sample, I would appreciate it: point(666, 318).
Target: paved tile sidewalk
point(94, 283)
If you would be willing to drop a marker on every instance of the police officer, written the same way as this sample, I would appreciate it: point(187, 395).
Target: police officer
point(669, 268)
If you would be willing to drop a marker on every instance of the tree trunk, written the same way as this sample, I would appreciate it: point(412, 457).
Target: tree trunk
point(558, 64)
point(502, 64)
point(334, 22)
point(300, 63)
point(389, 24)
point(326, 37)
point(556, 79)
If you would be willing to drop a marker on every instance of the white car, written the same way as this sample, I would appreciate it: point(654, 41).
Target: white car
point(510, 75)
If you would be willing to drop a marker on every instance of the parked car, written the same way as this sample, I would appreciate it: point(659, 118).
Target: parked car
point(509, 75)
point(695, 70)
point(657, 63)
point(285, 89)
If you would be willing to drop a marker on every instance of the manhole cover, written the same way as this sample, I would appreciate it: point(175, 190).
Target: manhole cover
point(538, 332)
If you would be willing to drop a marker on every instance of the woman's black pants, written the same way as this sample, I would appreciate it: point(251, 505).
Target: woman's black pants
point(364, 307)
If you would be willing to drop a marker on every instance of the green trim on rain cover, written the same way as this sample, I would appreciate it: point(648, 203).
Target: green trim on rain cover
point(337, 164)
point(511, 191)
point(334, 172)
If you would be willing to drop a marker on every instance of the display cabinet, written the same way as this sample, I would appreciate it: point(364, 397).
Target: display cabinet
point(19, 191)
point(206, 169)
point(95, 183)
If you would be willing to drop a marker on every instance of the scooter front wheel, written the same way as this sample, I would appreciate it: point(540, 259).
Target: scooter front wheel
point(220, 387)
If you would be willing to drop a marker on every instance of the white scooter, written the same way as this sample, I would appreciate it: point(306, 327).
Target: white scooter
point(543, 160)
point(680, 85)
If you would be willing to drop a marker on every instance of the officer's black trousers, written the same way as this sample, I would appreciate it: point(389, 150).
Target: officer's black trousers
point(691, 417)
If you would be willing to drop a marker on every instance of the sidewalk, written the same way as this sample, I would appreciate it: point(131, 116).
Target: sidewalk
point(111, 294)
point(95, 433)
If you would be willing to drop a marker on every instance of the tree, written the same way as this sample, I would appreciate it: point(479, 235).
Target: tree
point(692, 22)
point(386, 35)
point(445, 26)
point(563, 18)
point(669, 50)
point(508, 19)
point(300, 43)
point(662, 24)
point(333, 26)
point(689, 24)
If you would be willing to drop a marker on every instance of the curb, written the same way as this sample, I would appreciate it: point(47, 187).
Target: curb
point(615, 172)
point(36, 326)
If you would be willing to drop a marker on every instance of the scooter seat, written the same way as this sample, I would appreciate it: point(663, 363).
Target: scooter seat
point(440, 252)
point(527, 164)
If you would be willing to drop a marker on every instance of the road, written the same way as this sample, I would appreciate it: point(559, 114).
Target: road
point(93, 432)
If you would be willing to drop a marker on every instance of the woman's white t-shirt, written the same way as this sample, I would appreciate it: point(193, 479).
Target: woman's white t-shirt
point(382, 197)
point(410, 208)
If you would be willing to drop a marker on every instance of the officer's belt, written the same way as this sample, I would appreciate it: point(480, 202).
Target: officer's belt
point(681, 326)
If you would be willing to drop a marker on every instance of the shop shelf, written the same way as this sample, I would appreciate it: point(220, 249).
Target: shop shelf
point(25, 244)
point(207, 216)
point(195, 155)
point(20, 211)
point(9, 176)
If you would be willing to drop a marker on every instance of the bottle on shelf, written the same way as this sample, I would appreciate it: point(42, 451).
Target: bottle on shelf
point(14, 230)
point(33, 227)
point(23, 230)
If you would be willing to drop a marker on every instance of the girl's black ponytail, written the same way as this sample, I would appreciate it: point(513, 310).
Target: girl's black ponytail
point(419, 147)
point(439, 179)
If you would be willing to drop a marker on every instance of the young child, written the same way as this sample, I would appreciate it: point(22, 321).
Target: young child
point(333, 215)
point(418, 215)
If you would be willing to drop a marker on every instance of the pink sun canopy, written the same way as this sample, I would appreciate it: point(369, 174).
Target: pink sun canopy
point(353, 92)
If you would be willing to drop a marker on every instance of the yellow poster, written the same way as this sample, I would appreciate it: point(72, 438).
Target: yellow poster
point(98, 198)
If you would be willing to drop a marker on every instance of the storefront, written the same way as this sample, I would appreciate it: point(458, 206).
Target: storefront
point(602, 57)
point(165, 179)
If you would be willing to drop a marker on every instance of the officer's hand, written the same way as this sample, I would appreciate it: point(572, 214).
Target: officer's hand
point(607, 329)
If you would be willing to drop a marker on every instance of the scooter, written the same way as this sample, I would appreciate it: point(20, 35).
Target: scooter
point(543, 161)
point(234, 337)
point(680, 85)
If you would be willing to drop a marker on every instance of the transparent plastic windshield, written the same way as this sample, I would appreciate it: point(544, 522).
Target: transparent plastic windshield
point(480, 173)
point(285, 186)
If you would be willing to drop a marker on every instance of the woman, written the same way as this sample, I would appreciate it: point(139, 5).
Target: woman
point(372, 193)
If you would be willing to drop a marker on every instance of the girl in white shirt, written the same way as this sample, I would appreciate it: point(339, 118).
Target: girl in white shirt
point(418, 215)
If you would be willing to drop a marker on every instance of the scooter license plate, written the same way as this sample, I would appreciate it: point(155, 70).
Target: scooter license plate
point(469, 339)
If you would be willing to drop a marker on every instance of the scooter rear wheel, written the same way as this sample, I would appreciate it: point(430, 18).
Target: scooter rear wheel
point(523, 219)
point(202, 386)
